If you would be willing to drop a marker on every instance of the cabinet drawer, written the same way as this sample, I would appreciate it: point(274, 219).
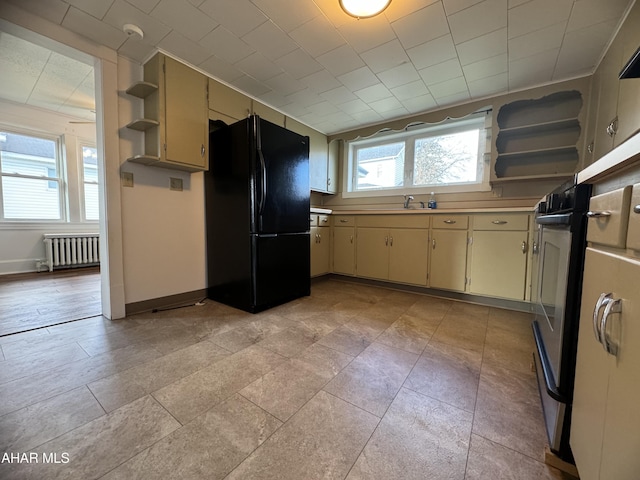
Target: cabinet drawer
point(609, 217)
point(501, 221)
point(633, 233)
point(313, 220)
point(451, 222)
point(323, 220)
point(394, 221)
point(344, 220)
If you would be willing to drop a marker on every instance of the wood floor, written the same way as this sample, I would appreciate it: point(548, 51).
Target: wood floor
point(38, 300)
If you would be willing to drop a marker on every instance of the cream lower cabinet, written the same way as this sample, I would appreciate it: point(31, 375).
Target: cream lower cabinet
point(448, 267)
point(320, 245)
point(605, 430)
point(344, 260)
point(408, 255)
point(498, 264)
point(372, 253)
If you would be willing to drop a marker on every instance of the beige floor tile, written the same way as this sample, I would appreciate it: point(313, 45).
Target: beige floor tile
point(208, 447)
point(101, 445)
point(254, 332)
point(373, 379)
point(430, 308)
point(509, 349)
point(508, 411)
point(321, 441)
point(448, 374)
point(195, 394)
point(418, 438)
point(292, 341)
point(462, 330)
point(344, 339)
point(32, 426)
point(489, 460)
point(408, 333)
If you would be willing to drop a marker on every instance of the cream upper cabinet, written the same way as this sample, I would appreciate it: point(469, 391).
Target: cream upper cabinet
point(605, 427)
point(268, 113)
point(344, 234)
point(318, 155)
point(320, 245)
point(176, 123)
point(227, 101)
point(498, 264)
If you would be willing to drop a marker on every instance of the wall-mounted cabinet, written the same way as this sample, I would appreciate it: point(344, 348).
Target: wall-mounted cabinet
point(175, 122)
point(268, 113)
point(228, 102)
point(537, 139)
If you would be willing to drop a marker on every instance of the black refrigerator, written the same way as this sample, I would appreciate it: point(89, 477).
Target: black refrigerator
point(257, 215)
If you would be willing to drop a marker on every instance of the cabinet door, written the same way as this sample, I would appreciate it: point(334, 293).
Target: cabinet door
point(448, 259)
point(186, 116)
point(592, 371)
point(228, 101)
point(608, 100)
point(332, 166)
point(343, 250)
point(498, 264)
point(621, 440)
point(629, 93)
point(372, 253)
point(408, 255)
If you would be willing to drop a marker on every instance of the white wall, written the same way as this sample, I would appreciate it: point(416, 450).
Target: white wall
point(22, 245)
point(163, 230)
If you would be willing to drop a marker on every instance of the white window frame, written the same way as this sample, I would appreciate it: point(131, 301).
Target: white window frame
point(60, 179)
point(83, 181)
point(409, 135)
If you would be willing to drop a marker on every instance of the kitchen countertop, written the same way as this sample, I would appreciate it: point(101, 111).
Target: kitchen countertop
point(441, 211)
point(624, 155)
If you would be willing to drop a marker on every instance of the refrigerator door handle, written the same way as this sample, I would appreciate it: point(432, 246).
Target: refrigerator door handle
point(263, 182)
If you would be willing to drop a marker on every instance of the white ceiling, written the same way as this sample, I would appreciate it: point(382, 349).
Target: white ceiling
point(310, 60)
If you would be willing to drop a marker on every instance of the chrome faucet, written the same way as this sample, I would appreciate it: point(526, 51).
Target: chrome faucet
point(407, 200)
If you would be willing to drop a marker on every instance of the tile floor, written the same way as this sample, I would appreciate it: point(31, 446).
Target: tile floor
point(354, 382)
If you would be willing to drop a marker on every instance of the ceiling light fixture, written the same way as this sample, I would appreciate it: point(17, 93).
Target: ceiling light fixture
point(364, 8)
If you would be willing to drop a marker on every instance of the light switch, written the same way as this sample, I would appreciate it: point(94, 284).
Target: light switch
point(175, 184)
point(126, 179)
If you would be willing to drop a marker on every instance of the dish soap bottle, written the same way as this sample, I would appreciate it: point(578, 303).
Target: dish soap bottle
point(432, 201)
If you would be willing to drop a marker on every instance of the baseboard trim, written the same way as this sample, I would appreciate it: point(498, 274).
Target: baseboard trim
point(165, 303)
point(519, 306)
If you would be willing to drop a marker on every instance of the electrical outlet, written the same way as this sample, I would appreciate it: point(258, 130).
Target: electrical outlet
point(175, 184)
point(127, 179)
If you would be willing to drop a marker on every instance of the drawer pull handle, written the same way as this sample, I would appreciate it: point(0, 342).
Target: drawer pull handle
point(342, 220)
point(499, 222)
point(433, 242)
point(612, 306)
point(636, 209)
point(391, 241)
point(449, 222)
point(386, 240)
point(325, 220)
point(351, 239)
point(604, 213)
point(524, 247)
point(602, 302)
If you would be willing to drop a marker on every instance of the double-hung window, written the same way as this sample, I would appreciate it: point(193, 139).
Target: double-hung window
point(445, 157)
point(32, 179)
point(90, 181)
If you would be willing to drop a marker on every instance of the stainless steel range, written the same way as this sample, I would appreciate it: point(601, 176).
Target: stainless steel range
point(562, 223)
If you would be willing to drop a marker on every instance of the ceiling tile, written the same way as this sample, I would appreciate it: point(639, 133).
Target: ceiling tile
point(373, 93)
point(285, 84)
point(581, 49)
point(122, 13)
point(145, 5)
point(251, 86)
point(358, 79)
point(220, 69)
point(547, 38)
point(317, 36)
point(16, 85)
point(400, 75)
point(385, 56)
point(136, 50)
point(422, 103)
point(21, 56)
point(486, 68)
point(390, 106)
point(453, 6)
point(88, 26)
point(275, 99)
point(367, 117)
point(298, 63)
point(421, 26)
point(397, 9)
point(237, 16)
point(226, 45)
point(484, 46)
point(95, 8)
point(338, 95)
point(341, 60)
point(334, 13)
point(534, 70)
point(184, 48)
point(433, 52)
point(320, 81)
point(450, 87)
point(184, 18)
point(442, 71)
point(269, 40)
point(591, 12)
point(353, 106)
point(488, 86)
point(52, 10)
point(305, 98)
point(367, 33)
point(258, 66)
point(477, 20)
point(537, 14)
point(288, 14)
point(456, 98)
point(410, 90)
point(322, 108)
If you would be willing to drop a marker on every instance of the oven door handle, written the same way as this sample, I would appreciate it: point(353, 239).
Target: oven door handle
point(547, 373)
point(558, 220)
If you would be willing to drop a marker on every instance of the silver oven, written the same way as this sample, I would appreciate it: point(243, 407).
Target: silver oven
point(561, 224)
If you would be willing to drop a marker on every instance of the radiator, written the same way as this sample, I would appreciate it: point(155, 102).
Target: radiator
point(68, 250)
